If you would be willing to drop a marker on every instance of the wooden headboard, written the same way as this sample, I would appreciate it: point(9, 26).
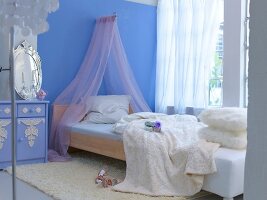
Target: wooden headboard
point(58, 111)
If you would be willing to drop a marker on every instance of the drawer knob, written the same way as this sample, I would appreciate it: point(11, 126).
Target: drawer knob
point(38, 110)
point(7, 110)
point(25, 110)
point(21, 139)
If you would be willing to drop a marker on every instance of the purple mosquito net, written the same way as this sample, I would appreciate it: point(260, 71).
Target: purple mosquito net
point(106, 61)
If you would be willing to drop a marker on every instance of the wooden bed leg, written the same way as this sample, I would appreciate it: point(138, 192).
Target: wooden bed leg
point(228, 198)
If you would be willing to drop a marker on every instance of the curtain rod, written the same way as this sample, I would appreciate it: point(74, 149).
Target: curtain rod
point(114, 14)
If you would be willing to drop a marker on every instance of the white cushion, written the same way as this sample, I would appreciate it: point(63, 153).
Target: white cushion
point(231, 119)
point(109, 103)
point(105, 118)
point(224, 138)
point(228, 181)
point(107, 109)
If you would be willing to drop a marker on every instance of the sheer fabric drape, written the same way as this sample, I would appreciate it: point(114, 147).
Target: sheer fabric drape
point(186, 33)
point(105, 60)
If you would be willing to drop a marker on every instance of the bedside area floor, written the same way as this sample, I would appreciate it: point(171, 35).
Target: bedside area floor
point(27, 192)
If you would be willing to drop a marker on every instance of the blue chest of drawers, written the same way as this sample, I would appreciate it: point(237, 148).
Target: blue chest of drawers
point(31, 123)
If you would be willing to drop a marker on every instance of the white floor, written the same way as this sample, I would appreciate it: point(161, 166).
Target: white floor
point(24, 191)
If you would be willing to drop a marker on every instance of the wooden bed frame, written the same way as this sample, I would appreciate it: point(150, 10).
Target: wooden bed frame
point(100, 145)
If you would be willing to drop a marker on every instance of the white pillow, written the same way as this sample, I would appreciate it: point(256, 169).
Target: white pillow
point(107, 109)
point(231, 119)
point(106, 118)
point(109, 103)
point(224, 138)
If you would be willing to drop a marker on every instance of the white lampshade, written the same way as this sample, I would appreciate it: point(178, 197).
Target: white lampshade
point(29, 15)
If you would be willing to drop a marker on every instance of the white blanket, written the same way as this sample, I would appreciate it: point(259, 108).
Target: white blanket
point(169, 163)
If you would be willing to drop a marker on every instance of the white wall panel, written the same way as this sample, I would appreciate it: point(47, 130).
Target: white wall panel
point(256, 160)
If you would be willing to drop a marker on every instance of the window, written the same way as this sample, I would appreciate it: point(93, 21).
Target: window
point(216, 72)
point(228, 76)
point(193, 85)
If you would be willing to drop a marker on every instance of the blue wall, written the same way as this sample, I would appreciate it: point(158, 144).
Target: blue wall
point(63, 47)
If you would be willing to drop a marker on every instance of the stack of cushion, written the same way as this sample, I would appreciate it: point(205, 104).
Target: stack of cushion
point(107, 109)
point(226, 126)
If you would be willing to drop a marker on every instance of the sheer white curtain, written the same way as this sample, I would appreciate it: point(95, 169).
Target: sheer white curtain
point(186, 41)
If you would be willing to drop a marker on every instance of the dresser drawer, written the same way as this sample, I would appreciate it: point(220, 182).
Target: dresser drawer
point(31, 110)
point(5, 111)
point(31, 138)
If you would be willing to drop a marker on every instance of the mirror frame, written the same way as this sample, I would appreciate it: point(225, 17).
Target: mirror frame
point(22, 91)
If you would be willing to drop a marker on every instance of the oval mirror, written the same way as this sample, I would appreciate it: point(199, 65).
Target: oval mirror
point(28, 72)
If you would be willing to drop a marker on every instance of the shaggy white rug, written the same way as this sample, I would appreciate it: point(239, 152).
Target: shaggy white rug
point(75, 180)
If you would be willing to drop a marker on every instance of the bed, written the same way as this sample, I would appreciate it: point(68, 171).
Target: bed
point(96, 138)
point(227, 182)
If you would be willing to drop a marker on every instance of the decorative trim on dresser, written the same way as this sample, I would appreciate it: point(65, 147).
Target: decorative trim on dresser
point(3, 131)
point(32, 142)
point(31, 132)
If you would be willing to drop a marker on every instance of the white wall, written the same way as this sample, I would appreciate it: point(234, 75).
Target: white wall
point(256, 160)
point(4, 59)
point(233, 65)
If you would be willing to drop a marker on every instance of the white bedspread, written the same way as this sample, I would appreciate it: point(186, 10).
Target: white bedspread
point(170, 163)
